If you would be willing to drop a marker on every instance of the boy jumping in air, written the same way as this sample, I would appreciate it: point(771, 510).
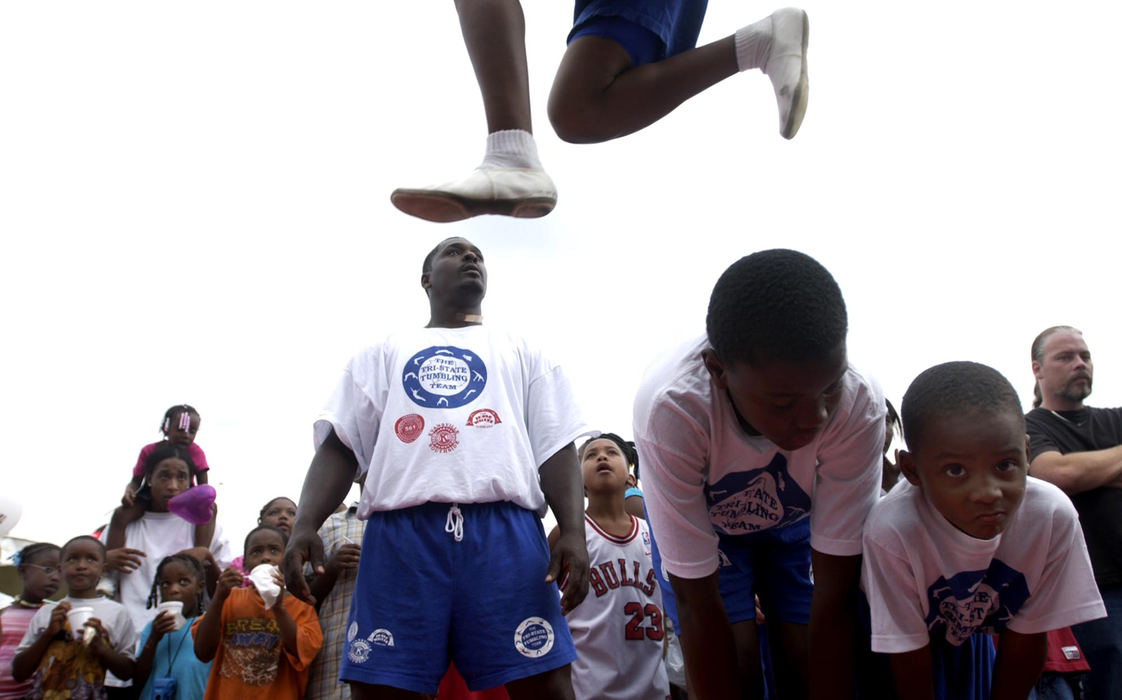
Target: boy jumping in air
point(629, 63)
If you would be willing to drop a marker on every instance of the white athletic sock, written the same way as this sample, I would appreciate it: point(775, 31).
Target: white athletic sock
point(753, 44)
point(512, 148)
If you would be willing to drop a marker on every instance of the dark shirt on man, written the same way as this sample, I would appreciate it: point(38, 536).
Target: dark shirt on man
point(1100, 509)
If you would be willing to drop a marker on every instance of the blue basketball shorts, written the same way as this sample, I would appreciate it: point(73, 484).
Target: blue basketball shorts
point(649, 30)
point(423, 597)
point(773, 563)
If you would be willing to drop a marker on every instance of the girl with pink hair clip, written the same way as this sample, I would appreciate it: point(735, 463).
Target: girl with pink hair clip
point(179, 427)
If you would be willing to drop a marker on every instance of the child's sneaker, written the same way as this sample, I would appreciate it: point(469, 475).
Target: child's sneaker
point(786, 67)
point(520, 192)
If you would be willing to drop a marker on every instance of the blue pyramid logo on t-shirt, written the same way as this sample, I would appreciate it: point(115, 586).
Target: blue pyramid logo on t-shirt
point(757, 499)
point(973, 601)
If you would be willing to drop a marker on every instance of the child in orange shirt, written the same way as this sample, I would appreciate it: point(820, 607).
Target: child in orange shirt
point(259, 651)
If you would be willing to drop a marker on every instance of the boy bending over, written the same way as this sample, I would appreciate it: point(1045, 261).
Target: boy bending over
point(761, 451)
point(969, 545)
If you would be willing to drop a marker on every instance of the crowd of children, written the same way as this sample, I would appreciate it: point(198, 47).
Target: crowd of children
point(209, 625)
point(771, 496)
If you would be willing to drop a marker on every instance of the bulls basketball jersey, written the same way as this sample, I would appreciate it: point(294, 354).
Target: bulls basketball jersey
point(618, 628)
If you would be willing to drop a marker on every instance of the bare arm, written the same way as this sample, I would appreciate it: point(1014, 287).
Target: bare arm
point(345, 557)
point(1077, 472)
point(706, 637)
point(911, 672)
point(285, 624)
point(119, 664)
point(209, 630)
point(1020, 659)
point(568, 556)
point(833, 624)
point(328, 480)
point(634, 506)
point(25, 662)
point(164, 623)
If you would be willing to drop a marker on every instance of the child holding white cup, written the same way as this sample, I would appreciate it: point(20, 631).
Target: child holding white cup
point(166, 653)
point(70, 646)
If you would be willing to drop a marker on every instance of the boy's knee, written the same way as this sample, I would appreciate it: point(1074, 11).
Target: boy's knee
point(569, 122)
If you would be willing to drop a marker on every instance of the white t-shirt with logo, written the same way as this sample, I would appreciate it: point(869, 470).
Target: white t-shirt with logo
point(618, 628)
point(926, 578)
point(703, 474)
point(454, 415)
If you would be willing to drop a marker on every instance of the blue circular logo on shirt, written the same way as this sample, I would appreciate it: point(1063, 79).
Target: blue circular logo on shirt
point(444, 376)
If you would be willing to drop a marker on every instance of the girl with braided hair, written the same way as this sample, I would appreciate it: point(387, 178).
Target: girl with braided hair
point(166, 652)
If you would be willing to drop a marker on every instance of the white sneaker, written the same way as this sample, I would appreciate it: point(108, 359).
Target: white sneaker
point(525, 193)
point(786, 66)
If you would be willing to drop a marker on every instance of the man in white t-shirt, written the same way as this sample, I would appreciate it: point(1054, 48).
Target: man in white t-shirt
point(461, 435)
point(761, 452)
point(968, 546)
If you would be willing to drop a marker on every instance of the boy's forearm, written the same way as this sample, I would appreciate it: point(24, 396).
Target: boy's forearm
point(707, 640)
point(120, 665)
point(1020, 659)
point(833, 625)
point(322, 584)
point(563, 489)
point(911, 674)
point(286, 626)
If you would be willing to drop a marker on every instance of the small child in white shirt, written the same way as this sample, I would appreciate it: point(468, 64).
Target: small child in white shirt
point(969, 546)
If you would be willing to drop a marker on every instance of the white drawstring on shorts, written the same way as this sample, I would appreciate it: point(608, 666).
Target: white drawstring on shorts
point(455, 523)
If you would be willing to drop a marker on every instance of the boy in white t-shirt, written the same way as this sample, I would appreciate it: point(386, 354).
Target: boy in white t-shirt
point(761, 451)
point(460, 434)
point(970, 546)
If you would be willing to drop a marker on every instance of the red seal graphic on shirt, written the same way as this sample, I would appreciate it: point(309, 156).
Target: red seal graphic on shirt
point(483, 418)
point(444, 437)
point(409, 427)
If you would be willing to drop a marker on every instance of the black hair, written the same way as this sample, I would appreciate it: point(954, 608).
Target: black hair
point(25, 555)
point(167, 450)
point(776, 304)
point(173, 413)
point(954, 388)
point(259, 528)
point(1037, 353)
point(194, 565)
point(265, 508)
point(892, 417)
point(72, 540)
point(627, 447)
point(426, 266)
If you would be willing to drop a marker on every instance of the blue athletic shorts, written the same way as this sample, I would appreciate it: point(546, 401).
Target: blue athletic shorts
point(649, 30)
point(422, 598)
point(773, 563)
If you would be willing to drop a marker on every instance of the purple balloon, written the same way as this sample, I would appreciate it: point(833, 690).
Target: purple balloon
point(193, 505)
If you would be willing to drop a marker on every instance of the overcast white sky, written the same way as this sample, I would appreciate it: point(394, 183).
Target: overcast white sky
point(194, 207)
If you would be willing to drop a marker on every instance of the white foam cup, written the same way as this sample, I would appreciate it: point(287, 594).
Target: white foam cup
point(78, 617)
point(175, 607)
